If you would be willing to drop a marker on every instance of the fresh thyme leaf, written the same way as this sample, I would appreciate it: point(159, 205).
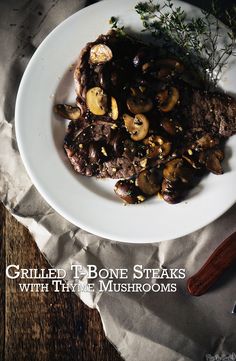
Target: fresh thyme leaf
point(196, 40)
point(145, 7)
point(114, 21)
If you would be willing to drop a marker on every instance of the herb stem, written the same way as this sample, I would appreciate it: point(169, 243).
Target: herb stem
point(194, 40)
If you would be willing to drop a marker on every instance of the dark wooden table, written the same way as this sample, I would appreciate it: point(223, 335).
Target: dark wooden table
point(43, 326)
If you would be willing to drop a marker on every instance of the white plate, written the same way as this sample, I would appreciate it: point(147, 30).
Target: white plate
point(87, 202)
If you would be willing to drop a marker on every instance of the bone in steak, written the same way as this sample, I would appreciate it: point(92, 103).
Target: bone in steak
point(100, 146)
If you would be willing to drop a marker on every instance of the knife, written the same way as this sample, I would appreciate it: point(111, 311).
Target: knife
point(221, 259)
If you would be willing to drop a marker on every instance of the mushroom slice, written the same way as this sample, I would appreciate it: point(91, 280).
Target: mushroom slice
point(139, 104)
point(146, 67)
point(206, 142)
point(173, 192)
point(137, 127)
point(213, 164)
point(96, 101)
point(213, 161)
point(157, 146)
point(170, 101)
point(114, 109)
point(175, 65)
point(172, 169)
point(164, 73)
point(162, 96)
point(143, 162)
point(67, 111)
point(169, 126)
point(192, 161)
point(128, 191)
point(177, 169)
point(149, 181)
point(219, 154)
point(100, 53)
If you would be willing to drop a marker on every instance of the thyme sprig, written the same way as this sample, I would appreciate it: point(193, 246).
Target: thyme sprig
point(114, 24)
point(113, 21)
point(198, 41)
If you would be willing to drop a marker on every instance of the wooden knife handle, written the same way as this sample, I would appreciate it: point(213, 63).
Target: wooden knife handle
point(222, 258)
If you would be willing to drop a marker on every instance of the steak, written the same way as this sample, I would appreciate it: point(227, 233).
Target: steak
point(112, 76)
point(101, 146)
point(214, 112)
point(102, 149)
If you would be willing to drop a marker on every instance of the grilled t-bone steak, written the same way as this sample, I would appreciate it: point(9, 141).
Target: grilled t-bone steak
point(102, 149)
point(138, 110)
point(112, 75)
point(212, 111)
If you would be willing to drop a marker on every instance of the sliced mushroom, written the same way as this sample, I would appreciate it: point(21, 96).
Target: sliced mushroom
point(169, 126)
point(137, 126)
point(219, 154)
point(207, 141)
point(96, 101)
point(100, 53)
point(178, 177)
point(168, 191)
point(104, 78)
point(162, 96)
point(173, 64)
point(157, 146)
point(149, 181)
point(81, 105)
point(212, 160)
point(128, 191)
point(67, 111)
point(164, 73)
point(146, 67)
point(143, 162)
point(168, 104)
point(213, 163)
point(139, 104)
point(192, 161)
point(177, 169)
point(134, 91)
point(114, 109)
point(173, 191)
point(172, 169)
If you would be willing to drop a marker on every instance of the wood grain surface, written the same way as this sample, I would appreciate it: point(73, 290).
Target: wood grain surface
point(43, 326)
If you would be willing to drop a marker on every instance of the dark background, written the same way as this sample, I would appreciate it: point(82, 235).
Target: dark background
point(46, 326)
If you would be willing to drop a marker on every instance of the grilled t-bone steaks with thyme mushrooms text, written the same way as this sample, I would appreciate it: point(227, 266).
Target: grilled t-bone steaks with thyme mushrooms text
point(141, 117)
